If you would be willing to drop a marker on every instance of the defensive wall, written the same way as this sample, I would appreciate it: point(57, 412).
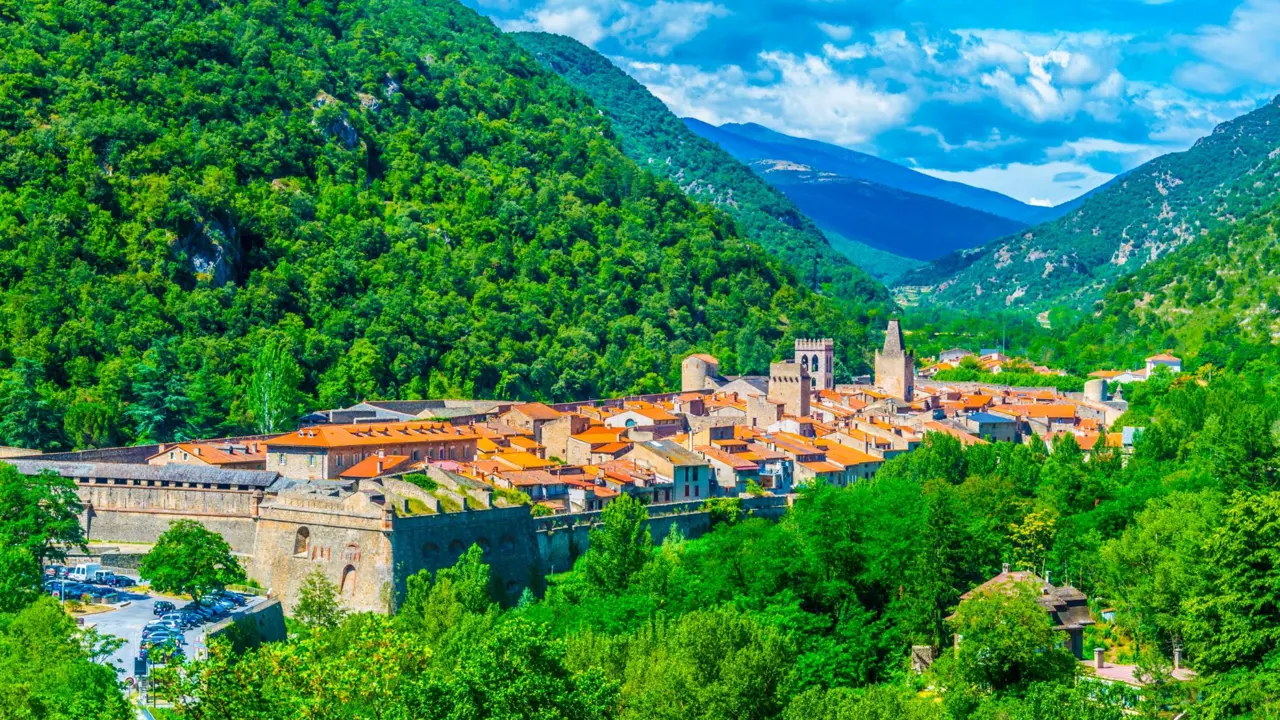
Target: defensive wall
point(361, 540)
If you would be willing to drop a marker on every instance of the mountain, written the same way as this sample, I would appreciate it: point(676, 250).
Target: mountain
point(750, 142)
point(905, 224)
point(1137, 218)
point(656, 139)
point(328, 201)
point(1216, 300)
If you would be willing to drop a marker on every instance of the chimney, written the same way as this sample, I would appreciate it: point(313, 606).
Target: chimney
point(196, 450)
point(1177, 658)
point(379, 467)
point(1097, 659)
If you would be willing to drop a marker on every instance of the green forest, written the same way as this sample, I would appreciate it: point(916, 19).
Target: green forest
point(390, 198)
point(812, 616)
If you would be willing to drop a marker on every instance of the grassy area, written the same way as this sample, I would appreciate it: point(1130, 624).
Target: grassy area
point(511, 496)
point(417, 507)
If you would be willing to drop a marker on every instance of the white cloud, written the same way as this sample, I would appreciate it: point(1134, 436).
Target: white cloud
point(656, 29)
point(1033, 184)
point(839, 33)
point(1246, 49)
point(806, 97)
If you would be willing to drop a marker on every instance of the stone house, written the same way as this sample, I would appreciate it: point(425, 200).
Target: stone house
point(688, 473)
point(248, 455)
point(323, 452)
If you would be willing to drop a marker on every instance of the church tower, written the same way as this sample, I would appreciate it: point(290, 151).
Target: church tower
point(819, 356)
point(895, 367)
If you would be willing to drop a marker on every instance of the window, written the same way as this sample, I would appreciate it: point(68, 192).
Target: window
point(341, 457)
point(311, 460)
point(185, 456)
point(697, 491)
point(170, 454)
point(302, 542)
point(415, 456)
point(281, 458)
point(686, 491)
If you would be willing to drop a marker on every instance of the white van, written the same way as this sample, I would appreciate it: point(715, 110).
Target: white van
point(84, 573)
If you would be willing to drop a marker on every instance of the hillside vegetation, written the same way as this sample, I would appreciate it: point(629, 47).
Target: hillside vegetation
point(383, 198)
point(656, 140)
point(1215, 301)
point(1137, 218)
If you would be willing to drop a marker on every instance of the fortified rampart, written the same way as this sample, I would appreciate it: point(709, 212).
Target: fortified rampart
point(358, 539)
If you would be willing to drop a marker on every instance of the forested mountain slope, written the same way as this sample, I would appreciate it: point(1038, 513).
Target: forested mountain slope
point(1138, 218)
point(1215, 301)
point(391, 192)
point(750, 142)
point(656, 139)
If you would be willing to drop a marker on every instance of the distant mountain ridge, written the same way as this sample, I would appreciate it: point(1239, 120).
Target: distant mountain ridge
point(1133, 220)
point(886, 218)
point(656, 139)
point(751, 142)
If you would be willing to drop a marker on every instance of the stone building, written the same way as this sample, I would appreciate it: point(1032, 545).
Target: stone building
point(820, 357)
point(323, 452)
point(700, 372)
point(895, 367)
point(790, 385)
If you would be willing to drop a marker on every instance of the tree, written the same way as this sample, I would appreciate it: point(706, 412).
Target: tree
point(620, 546)
point(1008, 641)
point(27, 418)
point(319, 604)
point(20, 578)
point(435, 607)
point(1032, 538)
point(1235, 621)
point(39, 513)
point(273, 395)
point(160, 401)
point(190, 559)
point(1157, 564)
point(49, 668)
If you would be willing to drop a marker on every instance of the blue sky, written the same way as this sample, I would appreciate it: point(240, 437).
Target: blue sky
point(1039, 100)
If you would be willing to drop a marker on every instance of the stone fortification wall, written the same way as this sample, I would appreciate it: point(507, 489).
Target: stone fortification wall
point(138, 513)
point(347, 539)
point(505, 535)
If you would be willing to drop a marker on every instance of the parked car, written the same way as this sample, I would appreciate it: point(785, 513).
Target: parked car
point(54, 570)
point(234, 598)
point(178, 618)
point(162, 607)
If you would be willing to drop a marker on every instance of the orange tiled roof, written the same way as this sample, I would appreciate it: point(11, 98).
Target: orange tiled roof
point(371, 434)
point(368, 467)
point(222, 453)
point(538, 411)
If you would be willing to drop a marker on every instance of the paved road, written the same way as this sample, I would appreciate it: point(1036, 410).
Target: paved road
point(127, 623)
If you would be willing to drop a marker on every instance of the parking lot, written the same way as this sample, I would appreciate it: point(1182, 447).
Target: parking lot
point(133, 609)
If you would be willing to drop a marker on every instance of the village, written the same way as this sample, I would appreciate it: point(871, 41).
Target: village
point(370, 494)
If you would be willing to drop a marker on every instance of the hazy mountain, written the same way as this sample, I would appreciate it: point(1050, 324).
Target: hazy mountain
point(751, 142)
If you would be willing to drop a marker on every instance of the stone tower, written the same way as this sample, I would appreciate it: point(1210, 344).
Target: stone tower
point(820, 357)
point(697, 372)
point(895, 367)
point(789, 386)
